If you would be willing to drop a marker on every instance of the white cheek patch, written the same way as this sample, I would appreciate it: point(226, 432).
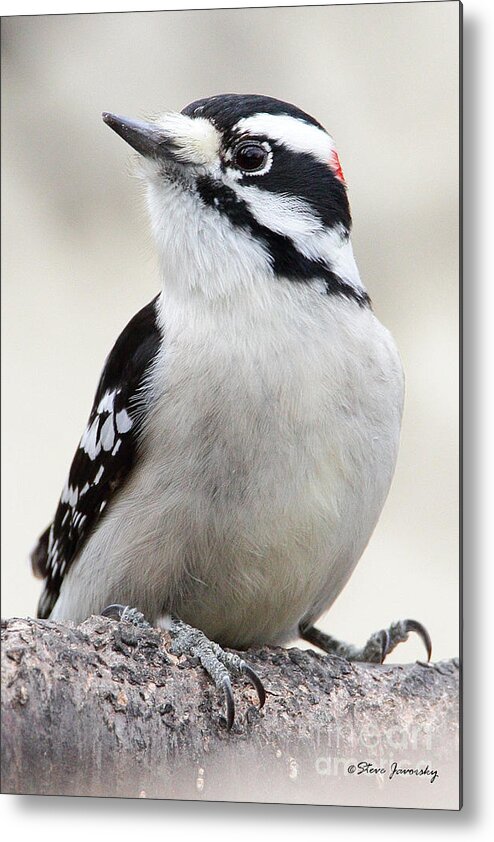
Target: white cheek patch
point(279, 212)
point(334, 248)
point(196, 141)
point(293, 133)
point(293, 218)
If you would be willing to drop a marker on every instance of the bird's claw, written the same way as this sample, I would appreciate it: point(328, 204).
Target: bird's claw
point(398, 633)
point(187, 640)
point(126, 614)
point(230, 702)
point(377, 648)
point(256, 682)
point(418, 628)
point(219, 665)
point(385, 643)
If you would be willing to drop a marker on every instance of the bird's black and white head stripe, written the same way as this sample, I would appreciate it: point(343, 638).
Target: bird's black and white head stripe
point(268, 169)
point(300, 166)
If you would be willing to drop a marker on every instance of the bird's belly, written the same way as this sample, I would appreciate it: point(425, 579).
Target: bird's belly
point(257, 493)
point(283, 540)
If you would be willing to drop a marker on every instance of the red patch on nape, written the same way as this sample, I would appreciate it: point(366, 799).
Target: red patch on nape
point(334, 163)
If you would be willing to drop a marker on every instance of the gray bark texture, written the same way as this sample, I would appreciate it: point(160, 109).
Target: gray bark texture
point(103, 708)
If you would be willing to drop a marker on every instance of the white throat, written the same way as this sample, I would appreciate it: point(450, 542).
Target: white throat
point(201, 252)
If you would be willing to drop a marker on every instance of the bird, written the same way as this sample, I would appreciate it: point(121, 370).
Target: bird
point(246, 425)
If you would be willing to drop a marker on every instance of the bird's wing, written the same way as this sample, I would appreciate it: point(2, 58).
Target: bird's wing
point(105, 454)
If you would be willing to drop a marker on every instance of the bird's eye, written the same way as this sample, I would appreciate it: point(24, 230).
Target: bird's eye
point(250, 156)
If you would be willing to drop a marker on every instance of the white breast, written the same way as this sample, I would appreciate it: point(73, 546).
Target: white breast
point(266, 463)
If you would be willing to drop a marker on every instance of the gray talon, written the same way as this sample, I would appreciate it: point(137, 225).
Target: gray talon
point(126, 614)
point(399, 631)
point(218, 664)
point(418, 628)
point(189, 641)
point(256, 682)
point(230, 703)
point(114, 612)
point(386, 643)
point(377, 648)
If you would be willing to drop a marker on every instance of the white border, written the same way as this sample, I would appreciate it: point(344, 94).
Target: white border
point(43, 7)
point(40, 818)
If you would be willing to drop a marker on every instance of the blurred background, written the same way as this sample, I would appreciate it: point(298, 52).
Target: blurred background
point(77, 259)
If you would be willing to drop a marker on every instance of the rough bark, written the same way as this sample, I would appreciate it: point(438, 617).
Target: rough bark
point(103, 709)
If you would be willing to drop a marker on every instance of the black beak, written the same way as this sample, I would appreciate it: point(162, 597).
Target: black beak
point(145, 138)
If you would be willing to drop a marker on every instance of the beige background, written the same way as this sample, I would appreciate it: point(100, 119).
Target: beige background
point(77, 258)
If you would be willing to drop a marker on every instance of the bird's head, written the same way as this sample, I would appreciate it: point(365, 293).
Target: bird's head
point(244, 186)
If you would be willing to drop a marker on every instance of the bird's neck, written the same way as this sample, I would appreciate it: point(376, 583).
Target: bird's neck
point(203, 254)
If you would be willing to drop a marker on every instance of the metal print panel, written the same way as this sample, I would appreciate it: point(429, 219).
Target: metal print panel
point(232, 405)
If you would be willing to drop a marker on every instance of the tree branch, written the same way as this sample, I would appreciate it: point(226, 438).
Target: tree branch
point(103, 709)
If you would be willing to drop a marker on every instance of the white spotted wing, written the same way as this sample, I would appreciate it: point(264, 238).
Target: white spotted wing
point(105, 455)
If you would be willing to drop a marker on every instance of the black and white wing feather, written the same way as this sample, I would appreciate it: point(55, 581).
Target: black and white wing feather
point(105, 455)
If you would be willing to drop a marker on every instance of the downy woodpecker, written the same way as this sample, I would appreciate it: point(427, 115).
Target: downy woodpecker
point(245, 429)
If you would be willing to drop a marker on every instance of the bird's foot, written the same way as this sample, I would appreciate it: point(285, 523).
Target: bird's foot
point(219, 665)
point(186, 640)
point(126, 614)
point(379, 645)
